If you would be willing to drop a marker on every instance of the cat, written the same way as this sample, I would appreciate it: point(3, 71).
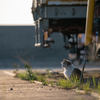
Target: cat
point(70, 70)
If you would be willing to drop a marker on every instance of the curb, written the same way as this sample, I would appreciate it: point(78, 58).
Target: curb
point(97, 95)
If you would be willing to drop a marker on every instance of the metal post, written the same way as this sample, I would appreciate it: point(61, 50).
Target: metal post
point(98, 36)
point(40, 31)
point(36, 33)
point(89, 28)
point(83, 69)
point(45, 11)
point(89, 22)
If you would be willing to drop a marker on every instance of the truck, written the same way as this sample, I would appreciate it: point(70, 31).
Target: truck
point(70, 17)
point(65, 16)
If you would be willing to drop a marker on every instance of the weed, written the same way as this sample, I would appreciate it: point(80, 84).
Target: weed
point(45, 83)
point(52, 83)
point(16, 69)
point(94, 82)
point(48, 73)
point(62, 83)
point(41, 78)
point(29, 70)
point(86, 86)
point(73, 82)
point(99, 87)
point(28, 67)
point(95, 88)
point(30, 75)
point(34, 76)
point(24, 76)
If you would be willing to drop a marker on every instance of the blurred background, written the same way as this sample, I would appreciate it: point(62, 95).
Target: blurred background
point(17, 38)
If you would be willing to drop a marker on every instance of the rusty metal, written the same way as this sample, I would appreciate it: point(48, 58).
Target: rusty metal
point(64, 2)
point(71, 26)
point(67, 0)
point(58, 15)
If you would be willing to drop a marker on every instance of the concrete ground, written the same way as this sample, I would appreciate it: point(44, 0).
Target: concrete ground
point(16, 89)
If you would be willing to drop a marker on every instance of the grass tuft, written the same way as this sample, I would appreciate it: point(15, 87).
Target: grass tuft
point(62, 83)
point(41, 78)
point(99, 87)
point(24, 76)
point(73, 82)
point(48, 74)
point(94, 82)
point(52, 83)
point(86, 86)
point(45, 83)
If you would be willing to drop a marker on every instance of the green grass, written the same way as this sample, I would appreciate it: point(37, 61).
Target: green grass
point(30, 75)
point(26, 76)
point(52, 83)
point(45, 83)
point(61, 82)
point(73, 82)
point(34, 76)
point(95, 88)
point(48, 74)
point(86, 87)
point(41, 78)
point(99, 87)
point(94, 82)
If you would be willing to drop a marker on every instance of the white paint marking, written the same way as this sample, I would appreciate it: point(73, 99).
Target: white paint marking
point(8, 73)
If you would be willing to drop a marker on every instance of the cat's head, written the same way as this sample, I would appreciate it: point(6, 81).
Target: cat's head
point(65, 63)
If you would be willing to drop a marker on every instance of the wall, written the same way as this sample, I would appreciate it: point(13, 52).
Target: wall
point(17, 42)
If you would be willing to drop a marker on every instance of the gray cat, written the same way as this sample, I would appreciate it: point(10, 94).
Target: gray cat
point(70, 70)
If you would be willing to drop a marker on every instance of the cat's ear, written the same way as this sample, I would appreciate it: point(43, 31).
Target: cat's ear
point(68, 62)
point(64, 59)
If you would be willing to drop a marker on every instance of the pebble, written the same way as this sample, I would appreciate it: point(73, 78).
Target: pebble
point(11, 88)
